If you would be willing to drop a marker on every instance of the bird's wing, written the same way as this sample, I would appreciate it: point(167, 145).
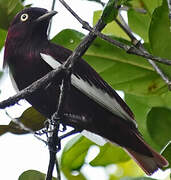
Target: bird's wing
point(92, 85)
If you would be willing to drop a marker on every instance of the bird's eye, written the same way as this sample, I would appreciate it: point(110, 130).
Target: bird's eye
point(24, 17)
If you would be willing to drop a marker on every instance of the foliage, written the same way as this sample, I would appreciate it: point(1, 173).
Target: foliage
point(145, 92)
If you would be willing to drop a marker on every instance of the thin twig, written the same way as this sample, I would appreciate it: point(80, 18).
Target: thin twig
point(28, 91)
point(140, 46)
point(23, 127)
point(50, 24)
point(139, 10)
point(127, 48)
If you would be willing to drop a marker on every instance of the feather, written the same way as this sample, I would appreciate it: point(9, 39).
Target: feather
point(100, 96)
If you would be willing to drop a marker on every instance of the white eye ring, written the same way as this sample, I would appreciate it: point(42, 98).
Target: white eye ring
point(24, 17)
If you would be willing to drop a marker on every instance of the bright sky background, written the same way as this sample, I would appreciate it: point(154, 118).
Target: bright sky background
point(24, 152)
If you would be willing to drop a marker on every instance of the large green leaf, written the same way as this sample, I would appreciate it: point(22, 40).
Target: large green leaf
point(33, 174)
point(30, 118)
point(140, 110)
point(73, 156)
point(110, 154)
point(160, 35)
point(139, 23)
point(8, 8)
point(127, 169)
point(159, 125)
point(151, 5)
point(123, 71)
point(74, 153)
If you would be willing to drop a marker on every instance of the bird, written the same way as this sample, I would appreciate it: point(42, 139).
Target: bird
point(30, 55)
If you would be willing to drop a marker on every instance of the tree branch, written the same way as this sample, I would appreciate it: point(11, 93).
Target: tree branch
point(129, 49)
point(50, 25)
point(140, 46)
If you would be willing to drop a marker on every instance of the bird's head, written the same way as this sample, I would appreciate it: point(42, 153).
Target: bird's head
point(30, 22)
point(28, 29)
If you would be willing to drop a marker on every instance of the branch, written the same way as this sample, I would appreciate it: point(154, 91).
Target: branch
point(50, 25)
point(129, 49)
point(140, 46)
point(28, 91)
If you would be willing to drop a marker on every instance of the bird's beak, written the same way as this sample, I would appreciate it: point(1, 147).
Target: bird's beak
point(46, 16)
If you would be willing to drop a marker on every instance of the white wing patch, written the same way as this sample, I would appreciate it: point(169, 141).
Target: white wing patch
point(94, 138)
point(102, 98)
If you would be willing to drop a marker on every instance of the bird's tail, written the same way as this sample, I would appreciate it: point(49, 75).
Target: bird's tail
point(148, 164)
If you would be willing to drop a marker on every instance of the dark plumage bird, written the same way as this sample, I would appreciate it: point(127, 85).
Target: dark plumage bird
point(30, 55)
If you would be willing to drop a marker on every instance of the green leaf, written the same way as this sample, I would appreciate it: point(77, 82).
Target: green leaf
point(160, 35)
point(135, 75)
point(110, 154)
point(151, 5)
point(140, 108)
point(33, 174)
point(136, 4)
point(73, 156)
point(111, 28)
point(166, 152)
point(109, 12)
point(31, 119)
point(139, 23)
point(74, 152)
point(7, 11)
point(159, 125)
point(2, 38)
point(126, 169)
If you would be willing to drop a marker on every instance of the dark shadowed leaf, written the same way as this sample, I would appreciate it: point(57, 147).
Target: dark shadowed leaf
point(160, 35)
point(33, 175)
point(166, 152)
point(158, 124)
point(135, 75)
point(109, 12)
point(31, 119)
point(110, 154)
point(8, 10)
